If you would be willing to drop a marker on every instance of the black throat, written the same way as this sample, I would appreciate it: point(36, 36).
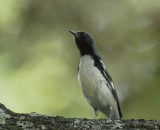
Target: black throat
point(88, 50)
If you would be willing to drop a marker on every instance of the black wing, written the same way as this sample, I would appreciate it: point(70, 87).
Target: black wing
point(100, 65)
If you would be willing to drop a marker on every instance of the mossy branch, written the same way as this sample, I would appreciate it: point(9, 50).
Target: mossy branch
point(33, 121)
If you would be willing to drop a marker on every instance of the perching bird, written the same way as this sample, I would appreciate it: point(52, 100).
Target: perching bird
point(96, 83)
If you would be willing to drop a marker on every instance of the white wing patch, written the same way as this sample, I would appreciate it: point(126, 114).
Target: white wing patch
point(103, 64)
point(112, 85)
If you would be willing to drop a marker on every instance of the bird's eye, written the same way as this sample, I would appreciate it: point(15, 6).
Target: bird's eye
point(84, 33)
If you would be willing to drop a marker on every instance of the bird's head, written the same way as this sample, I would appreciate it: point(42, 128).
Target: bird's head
point(84, 42)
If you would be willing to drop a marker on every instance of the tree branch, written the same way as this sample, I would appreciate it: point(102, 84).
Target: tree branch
point(34, 121)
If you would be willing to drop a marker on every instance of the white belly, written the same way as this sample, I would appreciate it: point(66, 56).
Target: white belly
point(94, 86)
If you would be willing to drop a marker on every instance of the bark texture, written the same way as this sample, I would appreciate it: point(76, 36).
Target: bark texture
point(34, 121)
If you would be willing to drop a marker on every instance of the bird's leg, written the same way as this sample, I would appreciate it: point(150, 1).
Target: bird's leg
point(96, 112)
point(110, 116)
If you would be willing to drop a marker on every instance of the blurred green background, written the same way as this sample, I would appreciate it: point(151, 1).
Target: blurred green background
point(39, 58)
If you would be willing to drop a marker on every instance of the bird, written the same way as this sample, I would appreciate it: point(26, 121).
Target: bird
point(95, 81)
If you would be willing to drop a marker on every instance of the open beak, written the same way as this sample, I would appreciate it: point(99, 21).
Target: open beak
point(73, 32)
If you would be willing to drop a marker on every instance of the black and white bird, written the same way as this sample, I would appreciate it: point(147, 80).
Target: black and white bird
point(96, 83)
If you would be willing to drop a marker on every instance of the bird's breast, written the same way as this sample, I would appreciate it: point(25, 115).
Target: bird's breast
point(93, 84)
point(90, 77)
